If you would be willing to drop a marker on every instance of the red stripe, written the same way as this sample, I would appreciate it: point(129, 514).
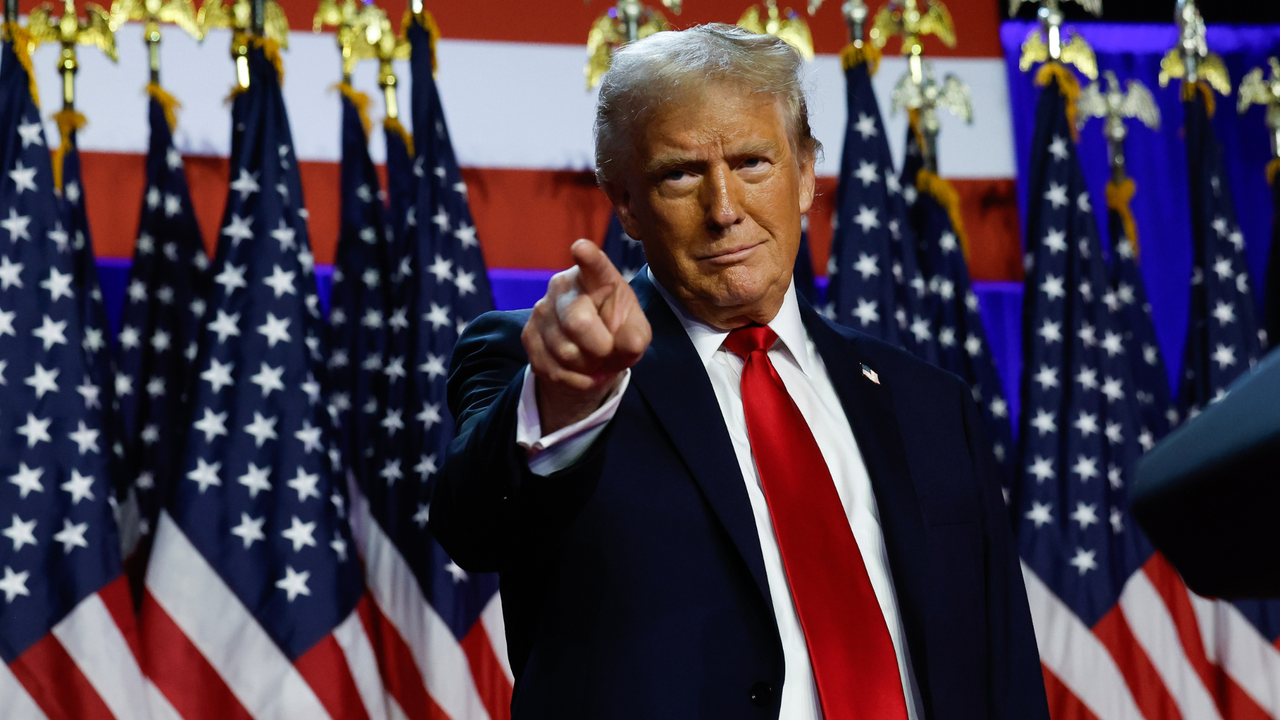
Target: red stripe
point(486, 671)
point(179, 670)
point(325, 669)
point(399, 671)
point(1146, 685)
point(1233, 702)
point(1063, 704)
point(119, 601)
point(52, 678)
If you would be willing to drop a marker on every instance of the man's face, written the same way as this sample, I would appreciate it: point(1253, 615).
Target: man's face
point(715, 191)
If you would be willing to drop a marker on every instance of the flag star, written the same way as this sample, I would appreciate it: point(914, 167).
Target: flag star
point(305, 484)
point(426, 466)
point(867, 173)
point(10, 274)
point(866, 126)
point(973, 346)
point(429, 416)
point(867, 219)
point(285, 235)
point(239, 228)
point(1117, 521)
point(394, 369)
point(124, 385)
point(24, 178)
point(391, 471)
point(21, 533)
point(339, 504)
point(867, 265)
point(441, 219)
point(51, 333)
point(1111, 300)
point(130, 338)
point(1113, 388)
point(256, 479)
point(27, 480)
point(267, 378)
point(137, 291)
point(231, 277)
point(31, 134)
point(72, 535)
point(866, 311)
point(281, 282)
point(372, 319)
point(1220, 226)
point(1224, 355)
point(1053, 287)
point(1040, 514)
point(146, 481)
point(999, 408)
point(920, 328)
point(1236, 238)
point(173, 158)
point(368, 235)
point(294, 583)
point(43, 381)
point(1085, 467)
point(85, 439)
point(6, 323)
point(35, 430)
point(1044, 422)
point(459, 575)
point(392, 422)
point(946, 337)
point(364, 193)
point(1047, 377)
point(206, 474)
point(433, 367)
point(1057, 194)
point(1050, 331)
point(246, 184)
point(466, 234)
point(275, 330)
point(1146, 440)
point(1086, 423)
point(1223, 268)
point(309, 436)
point(262, 428)
point(14, 584)
point(339, 546)
point(212, 424)
point(1084, 560)
point(1058, 148)
point(1042, 468)
point(172, 205)
point(58, 284)
point(306, 260)
point(1224, 313)
point(153, 197)
point(249, 530)
point(300, 534)
point(1082, 202)
point(1086, 291)
point(80, 487)
point(399, 320)
point(161, 341)
point(219, 375)
point(438, 316)
point(465, 282)
point(1086, 515)
point(150, 434)
point(442, 269)
point(1113, 433)
point(311, 388)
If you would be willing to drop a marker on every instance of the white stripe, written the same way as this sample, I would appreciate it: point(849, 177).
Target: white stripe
point(93, 640)
point(17, 704)
point(222, 629)
point(1232, 642)
point(491, 618)
point(508, 105)
point(1153, 627)
point(441, 660)
point(358, 650)
point(1075, 655)
point(159, 704)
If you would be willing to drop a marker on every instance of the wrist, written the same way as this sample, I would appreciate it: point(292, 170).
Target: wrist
point(560, 407)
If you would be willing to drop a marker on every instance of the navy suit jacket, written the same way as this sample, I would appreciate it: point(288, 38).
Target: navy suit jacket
point(633, 584)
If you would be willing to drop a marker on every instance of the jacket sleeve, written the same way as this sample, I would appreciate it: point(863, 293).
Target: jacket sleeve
point(487, 508)
point(1016, 682)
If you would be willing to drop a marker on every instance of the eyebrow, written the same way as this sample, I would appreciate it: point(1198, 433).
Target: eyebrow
point(665, 162)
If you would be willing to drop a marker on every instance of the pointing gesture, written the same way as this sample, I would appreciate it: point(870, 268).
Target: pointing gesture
point(582, 335)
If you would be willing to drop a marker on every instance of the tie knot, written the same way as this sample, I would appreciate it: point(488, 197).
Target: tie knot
point(746, 340)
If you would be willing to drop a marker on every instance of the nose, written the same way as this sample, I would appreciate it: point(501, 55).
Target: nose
point(723, 199)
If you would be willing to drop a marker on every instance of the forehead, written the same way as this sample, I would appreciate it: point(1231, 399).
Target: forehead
point(717, 115)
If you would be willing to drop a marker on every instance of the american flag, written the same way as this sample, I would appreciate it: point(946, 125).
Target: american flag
point(441, 639)
point(67, 633)
point(875, 281)
point(960, 343)
point(625, 252)
point(253, 599)
point(164, 304)
point(400, 186)
point(1271, 300)
point(361, 301)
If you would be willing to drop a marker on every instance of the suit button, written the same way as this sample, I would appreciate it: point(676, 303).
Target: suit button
point(762, 694)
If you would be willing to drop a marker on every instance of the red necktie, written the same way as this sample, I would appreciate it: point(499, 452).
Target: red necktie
point(852, 654)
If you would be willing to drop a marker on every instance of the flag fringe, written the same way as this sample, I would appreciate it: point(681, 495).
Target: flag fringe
point(428, 23)
point(1273, 168)
point(1118, 197)
point(20, 38)
point(168, 103)
point(360, 101)
point(1068, 86)
point(68, 121)
point(854, 55)
point(393, 125)
point(1189, 91)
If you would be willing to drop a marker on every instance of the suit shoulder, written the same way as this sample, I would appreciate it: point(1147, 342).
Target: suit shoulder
point(883, 358)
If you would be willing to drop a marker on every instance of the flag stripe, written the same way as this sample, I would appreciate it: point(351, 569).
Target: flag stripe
point(357, 646)
point(118, 600)
point(399, 670)
point(435, 651)
point(487, 672)
point(53, 680)
point(96, 645)
point(1152, 625)
point(1076, 656)
point(324, 667)
point(181, 674)
point(218, 624)
point(1150, 694)
point(494, 626)
point(1063, 704)
point(160, 707)
point(14, 698)
point(1231, 641)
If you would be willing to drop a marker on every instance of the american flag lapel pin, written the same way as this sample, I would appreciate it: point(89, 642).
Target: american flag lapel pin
point(870, 374)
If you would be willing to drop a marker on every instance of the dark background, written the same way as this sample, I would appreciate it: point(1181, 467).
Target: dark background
point(1214, 11)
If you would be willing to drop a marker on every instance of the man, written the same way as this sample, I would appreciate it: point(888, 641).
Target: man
point(704, 500)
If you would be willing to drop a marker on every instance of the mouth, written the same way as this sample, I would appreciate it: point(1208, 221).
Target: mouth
point(730, 255)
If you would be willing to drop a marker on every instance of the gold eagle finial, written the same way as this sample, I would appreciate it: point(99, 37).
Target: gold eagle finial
point(1257, 90)
point(786, 25)
point(1045, 44)
point(1190, 59)
point(238, 17)
point(905, 18)
point(628, 21)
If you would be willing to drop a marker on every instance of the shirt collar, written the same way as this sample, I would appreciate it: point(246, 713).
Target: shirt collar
point(707, 339)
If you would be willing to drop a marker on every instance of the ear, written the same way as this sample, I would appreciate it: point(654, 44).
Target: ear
point(621, 198)
point(808, 181)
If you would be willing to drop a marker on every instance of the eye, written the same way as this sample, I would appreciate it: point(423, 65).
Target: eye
point(755, 163)
point(675, 176)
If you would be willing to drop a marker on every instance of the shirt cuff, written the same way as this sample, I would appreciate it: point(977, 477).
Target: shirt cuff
point(562, 448)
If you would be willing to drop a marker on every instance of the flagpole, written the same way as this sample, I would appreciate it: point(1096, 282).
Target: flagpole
point(11, 11)
point(855, 16)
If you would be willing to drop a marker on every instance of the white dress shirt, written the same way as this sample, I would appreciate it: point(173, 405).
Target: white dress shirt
point(806, 379)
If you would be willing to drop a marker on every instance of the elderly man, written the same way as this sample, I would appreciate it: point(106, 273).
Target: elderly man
point(705, 500)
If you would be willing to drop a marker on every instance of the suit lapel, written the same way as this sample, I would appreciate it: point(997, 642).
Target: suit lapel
point(870, 411)
point(672, 380)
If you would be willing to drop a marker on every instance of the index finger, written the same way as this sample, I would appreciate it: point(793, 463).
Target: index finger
point(596, 272)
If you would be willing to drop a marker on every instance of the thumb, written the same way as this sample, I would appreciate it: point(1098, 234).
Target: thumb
point(596, 272)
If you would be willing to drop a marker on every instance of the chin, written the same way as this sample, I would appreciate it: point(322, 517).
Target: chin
point(742, 287)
